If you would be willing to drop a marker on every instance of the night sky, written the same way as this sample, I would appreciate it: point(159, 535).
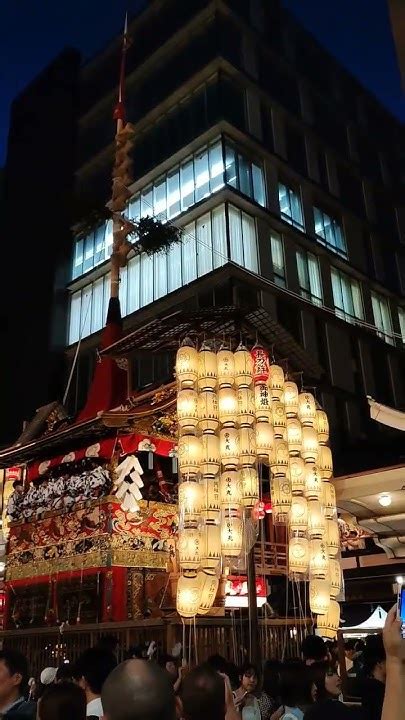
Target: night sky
point(357, 32)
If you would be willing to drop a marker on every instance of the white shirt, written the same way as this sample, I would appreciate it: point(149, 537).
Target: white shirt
point(94, 707)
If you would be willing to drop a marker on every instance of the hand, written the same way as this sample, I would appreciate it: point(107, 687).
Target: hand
point(393, 642)
point(228, 691)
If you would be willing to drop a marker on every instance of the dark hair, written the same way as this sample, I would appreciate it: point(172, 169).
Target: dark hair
point(295, 684)
point(373, 653)
point(314, 648)
point(165, 658)
point(271, 678)
point(220, 664)
point(317, 673)
point(249, 669)
point(16, 662)
point(350, 644)
point(63, 701)
point(94, 665)
point(108, 642)
point(203, 694)
point(64, 673)
point(16, 483)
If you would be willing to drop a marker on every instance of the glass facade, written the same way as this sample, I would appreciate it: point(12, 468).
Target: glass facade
point(382, 317)
point(277, 256)
point(328, 232)
point(346, 297)
point(290, 206)
point(309, 277)
point(401, 317)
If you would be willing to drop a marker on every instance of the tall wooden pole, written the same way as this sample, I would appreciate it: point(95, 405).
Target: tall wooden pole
point(254, 645)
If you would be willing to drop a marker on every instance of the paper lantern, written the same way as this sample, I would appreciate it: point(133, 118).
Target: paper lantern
point(279, 419)
point(329, 499)
point(210, 455)
point(332, 536)
point(319, 596)
point(260, 358)
point(246, 407)
point(231, 535)
point(298, 514)
point(322, 426)
point(306, 409)
point(335, 577)
point(276, 381)
point(310, 444)
point(298, 555)
point(208, 593)
point(280, 497)
point(279, 459)
point(263, 403)
point(316, 520)
point(207, 368)
point(250, 486)
point(243, 367)
point(211, 501)
point(247, 446)
point(187, 410)
point(297, 473)
point(189, 547)
point(264, 440)
point(318, 560)
point(230, 489)
point(189, 590)
point(229, 447)
point(325, 462)
point(294, 436)
point(290, 392)
point(186, 364)
point(228, 406)
point(225, 367)
point(190, 497)
point(313, 483)
point(189, 455)
point(210, 546)
point(208, 411)
point(328, 624)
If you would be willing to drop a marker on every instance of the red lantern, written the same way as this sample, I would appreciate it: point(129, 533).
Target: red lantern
point(260, 358)
point(258, 511)
point(2, 601)
point(268, 508)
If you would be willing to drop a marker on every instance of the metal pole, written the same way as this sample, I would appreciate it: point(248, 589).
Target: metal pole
point(254, 644)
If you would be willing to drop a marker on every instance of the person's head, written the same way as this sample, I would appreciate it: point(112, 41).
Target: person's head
point(374, 658)
point(295, 684)
point(314, 649)
point(91, 670)
point(203, 695)
point(249, 677)
point(62, 701)
point(108, 642)
point(271, 677)
point(64, 673)
point(13, 675)
point(138, 690)
point(350, 648)
point(326, 682)
point(168, 663)
point(18, 486)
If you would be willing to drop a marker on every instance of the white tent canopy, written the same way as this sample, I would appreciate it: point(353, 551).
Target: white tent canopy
point(386, 415)
point(376, 621)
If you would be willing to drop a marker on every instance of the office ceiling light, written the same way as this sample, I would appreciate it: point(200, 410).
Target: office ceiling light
point(385, 499)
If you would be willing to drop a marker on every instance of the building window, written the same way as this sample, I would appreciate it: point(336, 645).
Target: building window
point(329, 233)
point(277, 256)
point(346, 297)
point(382, 317)
point(401, 316)
point(243, 239)
point(244, 175)
point(290, 206)
point(309, 277)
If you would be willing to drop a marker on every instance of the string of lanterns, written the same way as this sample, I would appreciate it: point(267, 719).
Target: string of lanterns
point(235, 410)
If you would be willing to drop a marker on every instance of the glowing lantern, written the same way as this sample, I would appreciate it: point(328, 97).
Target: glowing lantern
point(298, 514)
point(332, 535)
point(189, 590)
point(335, 576)
point(243, 367)
point(325, 462)
point(298, 555)
point(318, 560)
point(263, 403)
point(231, 535)
point(279, 459)
point(211, 502)
point(190, 497)
point(246, 407)
point(328, 624)
point(247, 446)
point(319, 596)
point(276, 381)
point(225, 368)
point(228, 406)
point(313, 483)
point(210, 546)
point(290, 398)
point(189, 455)
point(210, 456)
point(208, 594)
point(264, 440)
point(297, 472)
point(316, 520)
point(279, 419)
point(280, 496)
point(208, 411)
point(230, 489)
point(294, 436)
point(250, 486)
point(207, 368)
point(306, 409)
point(186, 364)
point(189, 547)
point(310, 444)
point(329, 499)
point(322, 426)
point(260, 358)
point(187, 410)
point(229, 447)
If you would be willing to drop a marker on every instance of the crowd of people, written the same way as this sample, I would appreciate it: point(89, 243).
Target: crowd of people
point(97, 687)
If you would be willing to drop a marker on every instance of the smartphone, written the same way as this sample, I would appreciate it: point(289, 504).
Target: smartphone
point(401, 608)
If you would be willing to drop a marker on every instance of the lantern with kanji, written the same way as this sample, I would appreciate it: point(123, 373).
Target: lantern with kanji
point(260, 358)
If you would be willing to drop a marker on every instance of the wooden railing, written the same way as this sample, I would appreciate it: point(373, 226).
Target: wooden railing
point(271, 558)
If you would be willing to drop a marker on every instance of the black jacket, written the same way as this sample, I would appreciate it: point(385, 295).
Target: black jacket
point(23, 710)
